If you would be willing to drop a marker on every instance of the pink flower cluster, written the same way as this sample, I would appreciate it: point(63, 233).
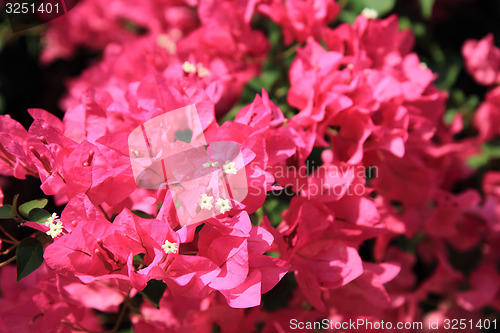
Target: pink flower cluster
point(361, 96)
point(94, 24)
point(482, 61)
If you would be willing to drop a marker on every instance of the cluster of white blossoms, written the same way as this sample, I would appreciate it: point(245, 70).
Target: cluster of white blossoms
point(211, 164)
point(199, 69)
point(222, 205)
point(55, 226)
point(228, 167)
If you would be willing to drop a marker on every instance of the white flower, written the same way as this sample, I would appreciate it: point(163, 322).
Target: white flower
point(188, 67)
point(55, 226)
point(203, 71)
point(206, 201)
point(223, 205)
point(167, 43)
point(211, 164)
point(51, 220)
point(169, 247)
point(230, 167)
point(55, 229)
point(370, 13)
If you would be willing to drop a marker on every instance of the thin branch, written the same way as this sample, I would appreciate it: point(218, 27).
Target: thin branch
point(120, 317)
point(8, 250)
point(126, 305)
point(8, 261)
point(15, 241)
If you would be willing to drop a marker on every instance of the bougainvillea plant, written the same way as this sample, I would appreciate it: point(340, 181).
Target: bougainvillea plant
point(357, 211)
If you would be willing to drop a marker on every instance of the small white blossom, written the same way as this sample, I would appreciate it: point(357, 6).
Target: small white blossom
point(169, 247)
point(230, 168)
point(223, 205)
point(55, 226)
point(167, 43)
point(55, 229)
point(206, 201)
point(370, 13)
point(211, 164)
point(203, 71)
point(188, 67)
point(51, 220)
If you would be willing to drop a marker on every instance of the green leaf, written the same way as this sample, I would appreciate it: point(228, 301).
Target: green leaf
point(274, 207)
point(231, 114)
point(6, 212)
point(409, 244)
point(29, 257)
point(273, 254)
point(348, 16)
point(13, 212)
point(154, 291)
point(489, 153)
point(142, 214)
point(450, 115)
point(475, 162)
point(26, 208)
point(139, 257)
point(132, 27)
point(426, 7)
point(448, 74)
point(353, 8)
point(39, 215)
point(138, 261)
point(266, 80)
point(126, 330)
point(381, 6)
point(184, 136)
